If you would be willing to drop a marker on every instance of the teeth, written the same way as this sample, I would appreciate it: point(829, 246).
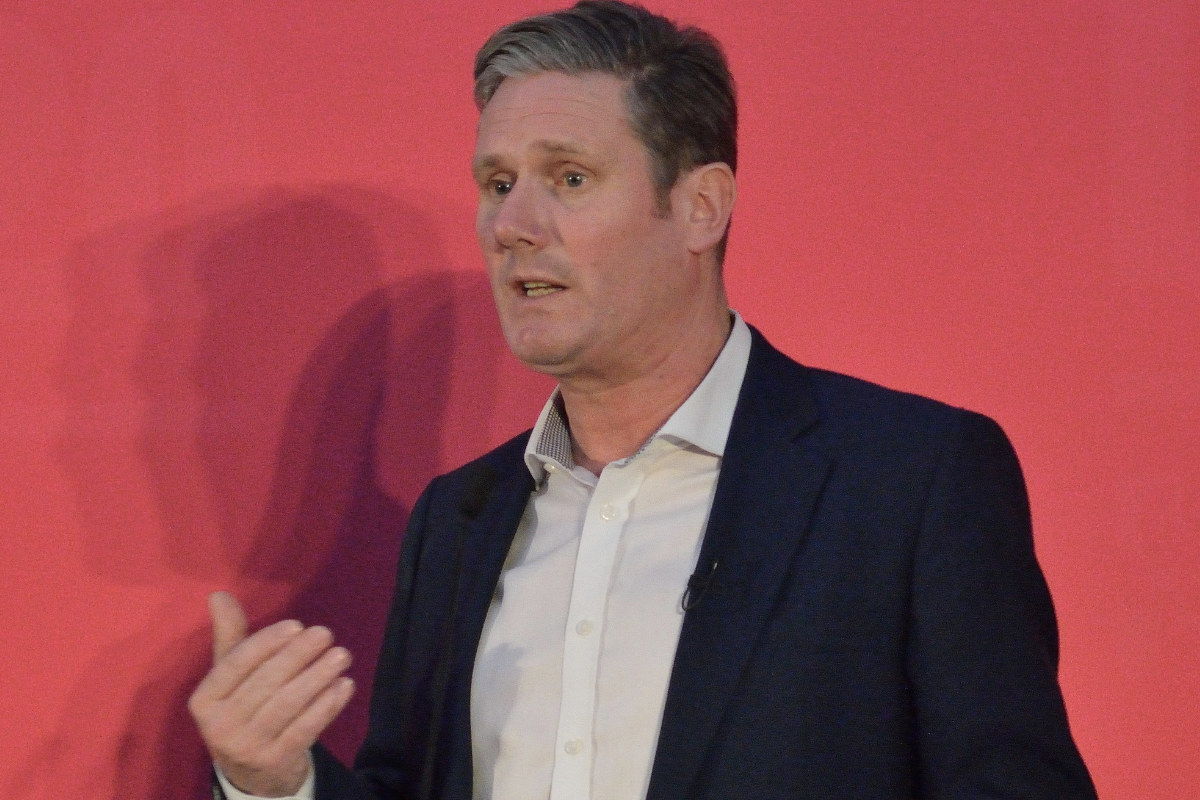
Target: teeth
point(539, 288)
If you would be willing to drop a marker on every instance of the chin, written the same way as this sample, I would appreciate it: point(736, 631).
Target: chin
point(541, 356)
point(545, 362)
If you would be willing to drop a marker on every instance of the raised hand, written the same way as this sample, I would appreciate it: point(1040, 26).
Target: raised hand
point(267, 698)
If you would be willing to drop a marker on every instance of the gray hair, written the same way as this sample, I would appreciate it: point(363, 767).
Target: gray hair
point(680, 96)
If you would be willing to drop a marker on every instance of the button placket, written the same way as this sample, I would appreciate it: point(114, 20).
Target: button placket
point(594, 563)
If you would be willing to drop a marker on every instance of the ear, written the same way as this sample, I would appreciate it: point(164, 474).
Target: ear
point(704, 198)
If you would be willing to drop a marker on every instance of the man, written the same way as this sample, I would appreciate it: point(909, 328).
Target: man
point(708, 571)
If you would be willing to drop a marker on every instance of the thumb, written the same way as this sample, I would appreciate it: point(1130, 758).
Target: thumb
point(228, 621)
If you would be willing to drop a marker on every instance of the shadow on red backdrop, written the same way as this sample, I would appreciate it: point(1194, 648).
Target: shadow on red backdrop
point(994, 204)
point(282, 291)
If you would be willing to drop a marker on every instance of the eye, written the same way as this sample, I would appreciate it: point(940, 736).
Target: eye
point(573, 180)
point(501, 187)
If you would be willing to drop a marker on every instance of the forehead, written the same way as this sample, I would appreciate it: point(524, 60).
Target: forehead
point(585, 111)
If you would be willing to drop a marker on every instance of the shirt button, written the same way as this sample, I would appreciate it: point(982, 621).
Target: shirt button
point(607, 511)
point(584, 627)
point(551, 468)
point(573, 747)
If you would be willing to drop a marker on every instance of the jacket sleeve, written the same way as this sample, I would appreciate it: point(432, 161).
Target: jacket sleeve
point(983, 644)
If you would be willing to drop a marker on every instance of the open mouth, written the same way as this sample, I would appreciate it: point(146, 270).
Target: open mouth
point(539, 288)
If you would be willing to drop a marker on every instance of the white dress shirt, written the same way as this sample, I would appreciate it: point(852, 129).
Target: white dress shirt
point(571, 673)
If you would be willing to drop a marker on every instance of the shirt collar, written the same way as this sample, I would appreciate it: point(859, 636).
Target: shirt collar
point(702, 421)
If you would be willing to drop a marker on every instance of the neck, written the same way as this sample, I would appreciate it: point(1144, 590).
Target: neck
point(612, 420)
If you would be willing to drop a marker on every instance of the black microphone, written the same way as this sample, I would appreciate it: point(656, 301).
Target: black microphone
point(480, 483)
point(479, 486)
point(697, 586)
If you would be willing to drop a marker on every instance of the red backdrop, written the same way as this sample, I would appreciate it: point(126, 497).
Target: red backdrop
point(245, 321)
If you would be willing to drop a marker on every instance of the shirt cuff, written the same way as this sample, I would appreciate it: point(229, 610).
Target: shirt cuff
point(307, 790)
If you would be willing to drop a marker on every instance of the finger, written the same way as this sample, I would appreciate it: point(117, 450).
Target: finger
point(249, 655)
point(228, 621)
point(283, 707)
point(305, 729)
point(276, 671)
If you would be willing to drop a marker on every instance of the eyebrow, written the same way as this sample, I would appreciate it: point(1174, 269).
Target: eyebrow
point(548, 146)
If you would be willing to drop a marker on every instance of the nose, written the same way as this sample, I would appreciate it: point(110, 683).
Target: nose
point(519, 219)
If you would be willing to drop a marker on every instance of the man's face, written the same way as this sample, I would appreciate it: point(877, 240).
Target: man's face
point(589, 277)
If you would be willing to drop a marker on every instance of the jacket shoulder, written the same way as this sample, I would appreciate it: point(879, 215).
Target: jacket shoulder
point(844, 397)
point(502, 459)
point(856, 412)
point(502, 463)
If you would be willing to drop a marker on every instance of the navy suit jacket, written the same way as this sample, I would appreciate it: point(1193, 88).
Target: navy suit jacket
point(876, 626)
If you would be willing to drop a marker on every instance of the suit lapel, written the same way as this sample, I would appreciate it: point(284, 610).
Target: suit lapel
point(769, 485)
point(489, 538)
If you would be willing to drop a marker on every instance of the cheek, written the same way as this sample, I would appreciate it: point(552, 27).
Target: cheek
point(608, 240)
point(483, 227)
point(624, 252)
point(492, 255)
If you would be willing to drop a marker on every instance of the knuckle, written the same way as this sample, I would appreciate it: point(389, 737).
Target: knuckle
point(261, 642)
point(244, 651)
point(247, 750)
point(280, 754)
point(219, 735)
point(295, 738)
